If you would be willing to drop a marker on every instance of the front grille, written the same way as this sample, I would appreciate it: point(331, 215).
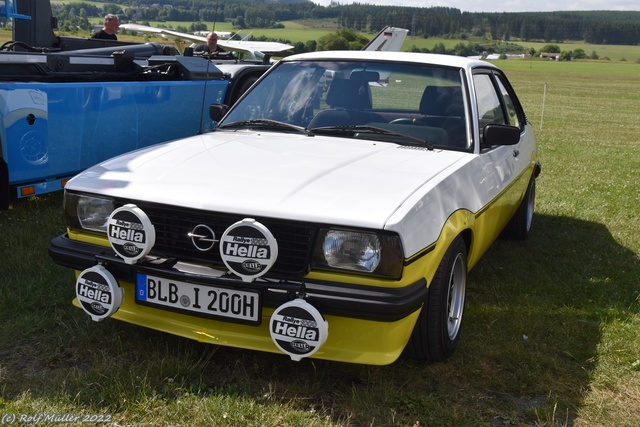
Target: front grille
point(173, 224)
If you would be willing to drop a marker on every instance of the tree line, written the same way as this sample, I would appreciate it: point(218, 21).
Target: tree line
point(596, 27)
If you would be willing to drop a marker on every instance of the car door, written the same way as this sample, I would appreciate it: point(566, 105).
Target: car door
point(503, 178)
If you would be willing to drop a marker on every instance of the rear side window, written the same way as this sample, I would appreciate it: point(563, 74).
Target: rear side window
point(489, 107)
point(512, 112)
point(497, 103)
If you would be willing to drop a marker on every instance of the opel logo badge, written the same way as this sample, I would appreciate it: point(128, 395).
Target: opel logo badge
point(203, 237)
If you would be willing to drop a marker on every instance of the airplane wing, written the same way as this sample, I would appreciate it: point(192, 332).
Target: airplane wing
point(264, 47)
point(389, 39)
point(221, 34)
point(163, 32)
point(254, 49)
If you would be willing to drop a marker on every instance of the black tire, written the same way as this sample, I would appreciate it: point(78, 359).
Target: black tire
point(519, 226)
point(437, 331)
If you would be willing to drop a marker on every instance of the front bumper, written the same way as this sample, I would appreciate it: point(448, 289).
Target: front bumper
point(368, 324)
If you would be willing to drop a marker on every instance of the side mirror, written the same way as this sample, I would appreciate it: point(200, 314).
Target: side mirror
point(217, 111)
point(500, 135)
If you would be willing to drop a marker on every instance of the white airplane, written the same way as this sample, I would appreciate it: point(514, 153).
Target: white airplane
point(389, 39)
point(221, 34)
point(254, 50)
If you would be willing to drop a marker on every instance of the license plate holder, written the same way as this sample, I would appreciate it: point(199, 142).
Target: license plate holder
point(209, 301)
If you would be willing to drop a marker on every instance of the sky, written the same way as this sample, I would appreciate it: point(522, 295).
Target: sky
point(504, 6)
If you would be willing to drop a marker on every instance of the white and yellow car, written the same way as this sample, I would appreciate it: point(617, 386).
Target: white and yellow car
point(336, 225)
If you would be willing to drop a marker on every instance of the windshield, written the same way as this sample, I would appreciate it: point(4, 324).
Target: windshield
point(400, 103)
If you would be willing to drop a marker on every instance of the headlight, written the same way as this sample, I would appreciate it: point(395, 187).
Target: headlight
point(88, 212)
point(358, 251)
point(351, 251)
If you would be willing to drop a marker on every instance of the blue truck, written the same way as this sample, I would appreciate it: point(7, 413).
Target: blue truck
point(67, 103)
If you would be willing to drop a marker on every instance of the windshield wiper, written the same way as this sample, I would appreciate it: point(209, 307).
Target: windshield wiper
point(265, 123)
point(372, 129)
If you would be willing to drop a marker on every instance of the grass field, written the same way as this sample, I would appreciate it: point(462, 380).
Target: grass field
point(551, 334)
point(303, 31)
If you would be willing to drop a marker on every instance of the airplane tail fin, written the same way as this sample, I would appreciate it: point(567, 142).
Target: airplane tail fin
point(389, 39)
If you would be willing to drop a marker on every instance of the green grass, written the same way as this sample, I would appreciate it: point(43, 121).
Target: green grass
point(303, 31)
point(306, 30)
point(629, 53)
point(551, 334)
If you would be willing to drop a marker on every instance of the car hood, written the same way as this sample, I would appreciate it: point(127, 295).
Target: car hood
point(281, 175)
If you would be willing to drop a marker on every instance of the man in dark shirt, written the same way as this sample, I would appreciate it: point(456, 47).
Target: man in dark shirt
point(108, 31)
point(211, 46)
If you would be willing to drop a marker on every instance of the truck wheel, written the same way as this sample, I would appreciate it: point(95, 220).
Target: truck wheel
point(437, 331)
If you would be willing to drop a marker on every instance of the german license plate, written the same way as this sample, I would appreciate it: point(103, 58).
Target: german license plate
point(234, 305)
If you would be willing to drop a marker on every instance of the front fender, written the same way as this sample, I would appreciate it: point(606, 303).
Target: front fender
point(425, 262)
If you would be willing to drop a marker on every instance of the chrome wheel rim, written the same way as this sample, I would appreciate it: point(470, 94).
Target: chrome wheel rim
point(457, 289)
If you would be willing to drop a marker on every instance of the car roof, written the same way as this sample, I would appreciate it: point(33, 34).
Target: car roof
point(421, 58)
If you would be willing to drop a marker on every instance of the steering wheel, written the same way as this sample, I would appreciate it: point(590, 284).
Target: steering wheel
point(404, 121)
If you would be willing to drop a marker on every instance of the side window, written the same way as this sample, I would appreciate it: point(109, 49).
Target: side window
point(489, 108)
point(512, 111)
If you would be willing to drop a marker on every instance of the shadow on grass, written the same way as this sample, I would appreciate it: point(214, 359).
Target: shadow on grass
point(532, 327)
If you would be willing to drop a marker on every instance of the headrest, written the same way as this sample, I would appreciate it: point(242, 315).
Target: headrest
point(350, 94)
point(442, 101)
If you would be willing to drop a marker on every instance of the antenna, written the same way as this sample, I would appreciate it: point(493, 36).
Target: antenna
point(204, 92)
point(215, 17)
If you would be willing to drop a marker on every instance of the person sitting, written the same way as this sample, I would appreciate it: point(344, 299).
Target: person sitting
point(210, 47)
point(109, 29)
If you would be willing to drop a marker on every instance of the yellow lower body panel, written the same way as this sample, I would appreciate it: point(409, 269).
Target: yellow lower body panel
point(349, 340)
